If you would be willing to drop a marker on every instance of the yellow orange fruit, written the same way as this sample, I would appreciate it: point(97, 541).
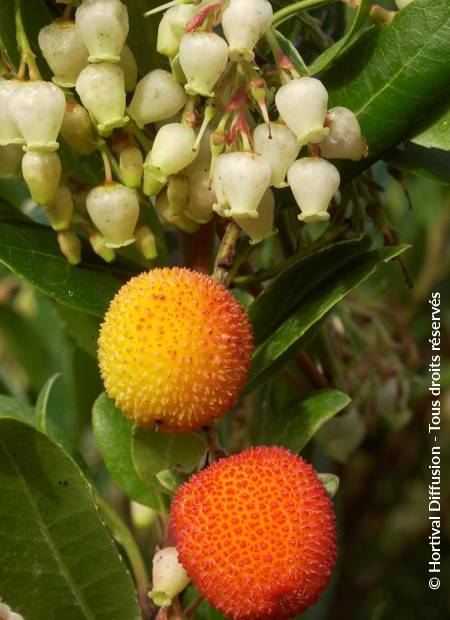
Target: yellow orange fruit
point(256, 533)
point(174, 349)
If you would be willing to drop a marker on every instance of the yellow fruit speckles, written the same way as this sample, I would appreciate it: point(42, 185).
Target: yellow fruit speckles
point(174, 349)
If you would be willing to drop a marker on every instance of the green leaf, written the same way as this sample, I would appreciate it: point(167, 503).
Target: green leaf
point(291, 52)
point(112, 432)
point(330, 482)
point(143, 34)
point(432, 164)
point(393, 79)
point(32, 251)
point(11, 407)
point(295, 283)
point(294, 426)
point(330, 55)
point(436, 134)
point(82, 328)
point(320, 300)
point(171, 479)
point(343, 435)
point(154, 452)
point(58, 559)
point(42, 403)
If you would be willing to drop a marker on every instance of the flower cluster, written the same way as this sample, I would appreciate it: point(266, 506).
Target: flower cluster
point(213, 132)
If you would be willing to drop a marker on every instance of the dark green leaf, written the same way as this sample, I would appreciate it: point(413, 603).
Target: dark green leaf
point(424, 162)
point(113, 435)
point(330, 482)
point(319, 301)
point(393, 79)
point(294, 426)
point(143, 33)
point(436, 133)
point(58, 559)
point(82, 328)
point(11, 407)
point(42, 403)
point(290, 51)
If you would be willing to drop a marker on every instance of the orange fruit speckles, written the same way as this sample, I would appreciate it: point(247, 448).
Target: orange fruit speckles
point(256, 533)
point(174, 349)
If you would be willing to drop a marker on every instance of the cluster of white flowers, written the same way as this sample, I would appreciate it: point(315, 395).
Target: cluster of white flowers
point(210, 152)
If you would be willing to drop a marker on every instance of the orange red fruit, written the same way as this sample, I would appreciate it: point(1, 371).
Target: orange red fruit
point(256, 533)
point(174, 349)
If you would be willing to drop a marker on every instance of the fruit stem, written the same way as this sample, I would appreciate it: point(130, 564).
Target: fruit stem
point(215, 450)
point(296, 7)
point(190, 610)
point(27, 58)
point(225, 253)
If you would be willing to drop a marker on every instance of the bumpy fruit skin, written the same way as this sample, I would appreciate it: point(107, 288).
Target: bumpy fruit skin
point(174, 349)
point(256, 533)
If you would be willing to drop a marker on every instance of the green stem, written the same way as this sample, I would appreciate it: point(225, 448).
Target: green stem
point(291, 9)
point(27, 58)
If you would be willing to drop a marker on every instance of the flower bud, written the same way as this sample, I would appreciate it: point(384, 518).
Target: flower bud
point(279, 147)
point(10, 160)
point(402, 3)
point(64, 51)
point(146, 242)
point(244, 22)
point(70, 246)
point(102, 91)
point(114, 210)
point(37, 108)
point(151, 185)
point(203, 58)
point(129, 67)
point(9, 132)
point(76, 129)
point(313, 181)
point(169, 577)
point(302, 104)
point(242, 178)
point(42, 173)
point(131, 166)
point(178, 193)
point(157, 97)
point(7, 614)
point(344, 140)
point(164, 211)
point(103, 27)
point(98, 244)
point(260, 228)
point(173, 149)
point(142, 517)
point(201, 195)
point(60, 210)
point(172, 28)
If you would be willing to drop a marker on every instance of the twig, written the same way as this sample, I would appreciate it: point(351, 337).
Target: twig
point(225, 254)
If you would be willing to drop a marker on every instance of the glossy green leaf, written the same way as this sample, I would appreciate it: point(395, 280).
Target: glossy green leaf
point(394, 79)
point(295, 283)
point(42, 403)
point(330, 482)
point(82, 328)
point(436, 133)
point(11, 407)
point(294, 426)
point(112, 432)
point(154, 452)
point(320, 300)
point(432, 164)
point(291, 52)
point(345, 43)
point(171, 479)
point(58, 559)
point(32, 251)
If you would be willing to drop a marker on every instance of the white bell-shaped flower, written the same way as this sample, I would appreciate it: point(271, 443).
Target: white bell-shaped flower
point(64, 51)
point(10, 160)
point(60, 210)
point(103, 26)
point(313, 181)
point(201, 194)
point(6, 613)
point(9, 132)
point(102, 91)
point(302, 104)
point(260, 228)
point(157, 97)
point(114, 210)
point(42, 173)
point(241, 180)
point(129, 67)
point(344, 140)
point(173, 148)
point(172, 28)
point(402, 3)
point(244, 22)
point(203, 58)
point(131, 165)
point(76, 129)
point(279, 146)
point(146, 242)
point(37, 108)
point(169, 577)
